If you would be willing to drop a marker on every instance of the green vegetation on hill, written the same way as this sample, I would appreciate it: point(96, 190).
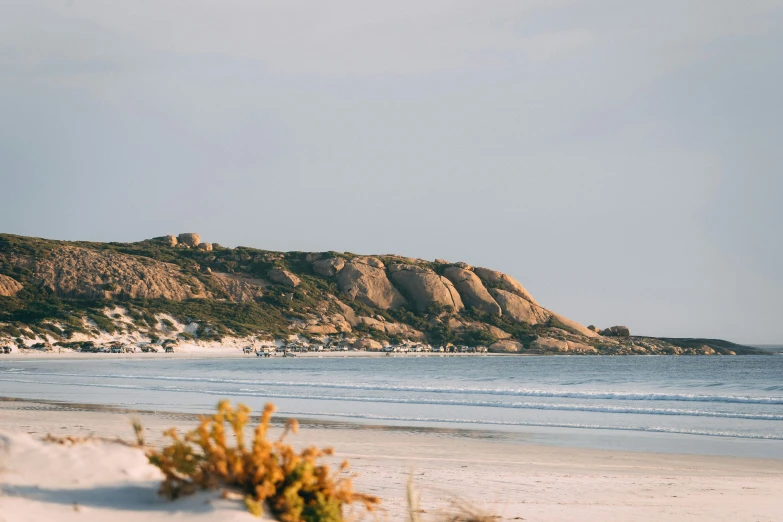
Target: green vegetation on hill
point(67, 288)
point(35, 307)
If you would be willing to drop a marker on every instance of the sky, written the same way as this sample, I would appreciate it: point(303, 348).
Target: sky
point(620, 159)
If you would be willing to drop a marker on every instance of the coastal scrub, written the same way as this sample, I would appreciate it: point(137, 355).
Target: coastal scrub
point(294, 486)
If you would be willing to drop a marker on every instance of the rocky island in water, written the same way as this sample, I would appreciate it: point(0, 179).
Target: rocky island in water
point(178, 290)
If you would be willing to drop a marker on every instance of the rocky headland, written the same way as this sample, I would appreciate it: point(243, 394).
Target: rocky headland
point(181, 289)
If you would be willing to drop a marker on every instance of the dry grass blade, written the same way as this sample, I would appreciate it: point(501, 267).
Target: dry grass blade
point(138, 431)
point(466, 513)
point(461, 512)
point(71, 440)
point(412, 496)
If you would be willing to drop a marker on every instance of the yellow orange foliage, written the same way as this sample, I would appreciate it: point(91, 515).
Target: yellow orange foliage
point(294, 485)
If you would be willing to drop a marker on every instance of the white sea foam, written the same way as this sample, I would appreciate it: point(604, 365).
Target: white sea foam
point(512, 392)
point(721, 397)
point(652, 429)
point(265, 394)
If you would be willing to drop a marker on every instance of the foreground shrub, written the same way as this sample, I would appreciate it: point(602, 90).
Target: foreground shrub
point(295, 487)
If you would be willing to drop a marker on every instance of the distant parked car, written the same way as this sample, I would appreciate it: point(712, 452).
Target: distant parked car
point(6, 349)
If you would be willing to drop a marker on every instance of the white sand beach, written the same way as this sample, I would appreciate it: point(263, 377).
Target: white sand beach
point(98, 481)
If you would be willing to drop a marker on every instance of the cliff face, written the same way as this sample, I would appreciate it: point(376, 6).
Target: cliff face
point(81, 273)
point(65, 289)
point(9, 286)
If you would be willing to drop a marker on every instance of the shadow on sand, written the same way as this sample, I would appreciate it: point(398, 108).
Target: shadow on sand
point(122, 497)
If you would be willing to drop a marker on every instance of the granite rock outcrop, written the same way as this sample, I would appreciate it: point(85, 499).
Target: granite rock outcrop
point(283, 277)
point(190, 239)
point(368, 284)
point(518, 308)
point(472, 291)
point(424, 288)
point(9, 286)
point(74, 272)
point(328, 267)
point(616, 331)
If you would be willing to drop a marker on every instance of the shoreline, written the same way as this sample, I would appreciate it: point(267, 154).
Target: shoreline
point(510, 478)
point(231, 353)
point(224, 353)
point(563, 437)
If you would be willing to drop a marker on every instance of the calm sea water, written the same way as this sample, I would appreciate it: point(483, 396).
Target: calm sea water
point(725, 405)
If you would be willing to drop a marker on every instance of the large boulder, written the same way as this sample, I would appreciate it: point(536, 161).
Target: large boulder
point(339, 322)
point(455, 297)
point(207, 247)
point(328, 267)
point(283, 277)
point(518, 308)
point(190, 239)
point(494, 331)
point(506, 346)
point(9, 286)
point(370, 345)
point(576, 347)
point(170, 241)
point(472, 291)
point(396, 329)
point(404, 331)
point(345, 311)
point(372, 323)
point(455, 322)
point(369, 260)
point(369, 285)
point(321, 329)
point(503, 281)
point(424, 287)
point(616, 331)
point(549, 344)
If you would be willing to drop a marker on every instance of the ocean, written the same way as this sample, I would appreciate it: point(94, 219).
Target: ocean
point(705, 405)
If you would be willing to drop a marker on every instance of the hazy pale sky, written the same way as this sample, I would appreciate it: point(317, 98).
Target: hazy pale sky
point(621, 159)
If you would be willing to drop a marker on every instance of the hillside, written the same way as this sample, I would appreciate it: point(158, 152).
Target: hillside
point(181, 288)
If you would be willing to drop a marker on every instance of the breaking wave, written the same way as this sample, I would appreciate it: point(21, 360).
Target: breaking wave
point(652, 429)
point(508, 392)
point(244, 392)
